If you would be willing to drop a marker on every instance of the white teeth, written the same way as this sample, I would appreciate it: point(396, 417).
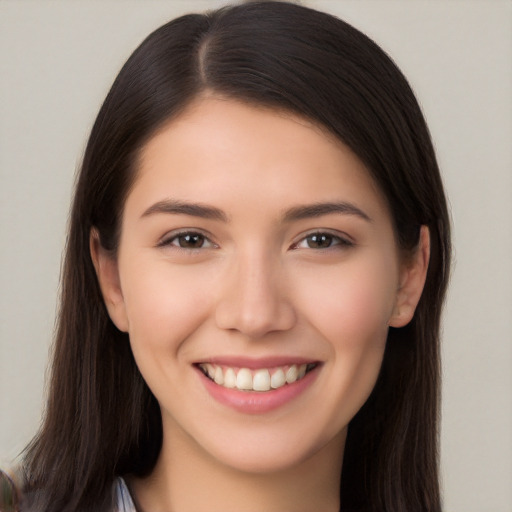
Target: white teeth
point(230, 378)
point(292, 374)
point(219, 376)
point(278, 379)
point(211, 371)
point(244, 379)
point(261, 380)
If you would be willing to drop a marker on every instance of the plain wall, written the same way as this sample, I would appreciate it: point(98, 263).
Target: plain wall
point(57, 61)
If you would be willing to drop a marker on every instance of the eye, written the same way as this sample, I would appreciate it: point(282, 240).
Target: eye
point(187, 240)
point(322, 240)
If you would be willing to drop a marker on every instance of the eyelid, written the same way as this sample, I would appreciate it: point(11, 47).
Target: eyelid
point(344, 240)
point(165, 241)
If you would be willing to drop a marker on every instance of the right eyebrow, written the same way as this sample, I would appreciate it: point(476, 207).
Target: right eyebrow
point(172, 206)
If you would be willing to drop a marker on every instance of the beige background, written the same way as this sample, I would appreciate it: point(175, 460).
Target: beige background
point(57, 60)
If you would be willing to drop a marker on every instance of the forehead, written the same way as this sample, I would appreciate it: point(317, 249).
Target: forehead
point(220, 149)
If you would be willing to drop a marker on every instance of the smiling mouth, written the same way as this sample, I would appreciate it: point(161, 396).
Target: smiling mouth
point(261, 379)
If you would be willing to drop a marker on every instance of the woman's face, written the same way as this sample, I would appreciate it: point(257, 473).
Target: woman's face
point(257, 275)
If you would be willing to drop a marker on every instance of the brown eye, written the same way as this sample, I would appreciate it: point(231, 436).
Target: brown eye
point(320, 241)
point(189, 241)
point(323, 240)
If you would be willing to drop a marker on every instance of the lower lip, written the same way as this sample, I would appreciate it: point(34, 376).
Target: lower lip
point(258, 402)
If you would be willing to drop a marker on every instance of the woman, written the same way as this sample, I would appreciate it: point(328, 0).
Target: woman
point(256, 264)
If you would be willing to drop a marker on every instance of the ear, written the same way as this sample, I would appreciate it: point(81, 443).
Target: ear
point(413, 273)
point(107, 271)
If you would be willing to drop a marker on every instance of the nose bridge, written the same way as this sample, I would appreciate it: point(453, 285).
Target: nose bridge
point(253, 300)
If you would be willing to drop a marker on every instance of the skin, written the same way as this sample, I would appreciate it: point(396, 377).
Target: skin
point(258, 286)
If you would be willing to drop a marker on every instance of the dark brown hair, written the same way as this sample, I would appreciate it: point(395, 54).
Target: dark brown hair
point(101, 419)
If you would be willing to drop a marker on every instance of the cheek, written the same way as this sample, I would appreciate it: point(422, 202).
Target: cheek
point(164, 304)
point(357, 331)
point(350, 310)
point(351, 306)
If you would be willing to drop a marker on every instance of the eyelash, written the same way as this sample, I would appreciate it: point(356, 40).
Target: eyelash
point(168, 241)
point(334, 241)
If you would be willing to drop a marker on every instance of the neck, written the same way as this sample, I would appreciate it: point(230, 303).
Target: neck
point(186, 479)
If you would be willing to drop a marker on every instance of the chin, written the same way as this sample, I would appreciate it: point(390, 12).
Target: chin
point(275, 452)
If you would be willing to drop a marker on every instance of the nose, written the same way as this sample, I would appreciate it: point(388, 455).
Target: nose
point(252, 300)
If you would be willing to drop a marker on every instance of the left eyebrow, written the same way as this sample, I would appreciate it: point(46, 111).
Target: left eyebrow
point(320, 209)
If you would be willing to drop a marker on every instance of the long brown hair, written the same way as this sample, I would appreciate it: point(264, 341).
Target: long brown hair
point(101, 419)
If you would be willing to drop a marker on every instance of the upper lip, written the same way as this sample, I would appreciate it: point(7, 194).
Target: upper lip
point(255, 363)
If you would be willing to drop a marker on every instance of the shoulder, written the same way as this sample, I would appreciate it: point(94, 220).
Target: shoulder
point(122, 496)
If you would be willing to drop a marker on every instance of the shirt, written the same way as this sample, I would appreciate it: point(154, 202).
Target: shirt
point(124, 502)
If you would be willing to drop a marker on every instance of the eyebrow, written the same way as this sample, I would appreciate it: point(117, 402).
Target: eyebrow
point(320, 209)
point(172, 206)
